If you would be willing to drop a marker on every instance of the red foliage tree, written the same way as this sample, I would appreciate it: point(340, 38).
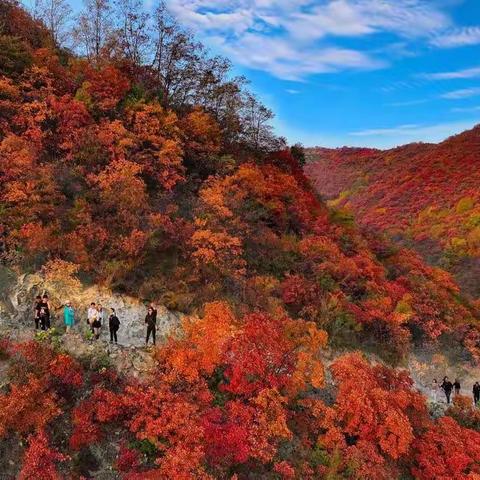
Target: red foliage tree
point(40, 461)
point(447, 450)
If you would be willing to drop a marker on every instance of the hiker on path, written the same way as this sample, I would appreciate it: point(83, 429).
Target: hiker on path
point(154, 308)
point(456, 386)
point(151, 322)
point(434, 389)
point(98, 322)
point(447, 387)
point(42, 316)
point(476, 393)
point(101, 314)
point(36, 310)
point(91, 315)
point(113, 325)
point(45, 312)
point(68, 315)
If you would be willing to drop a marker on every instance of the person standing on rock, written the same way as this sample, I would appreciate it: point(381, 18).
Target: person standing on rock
point(36, 310)
point(154, 308)
point(98, 322)
point(113, 325)
point(45, 306)
point(42, 316)
point(91, 315)
point(476, 393)
point(151, 322)
point(456, 386)
point(447, 387)
point(68, 315)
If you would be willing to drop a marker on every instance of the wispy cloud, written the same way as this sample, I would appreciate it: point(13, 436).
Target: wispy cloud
point(291, 91)
point(462, 93)
point(458, 37)
point(467, 109)
point(387, 137)
point(293, 39)
point(393, 136)
point(408, 103)
point(283, 59)
point(454, 75)
point(401, 129)
point(401, 85)
point(406, 18)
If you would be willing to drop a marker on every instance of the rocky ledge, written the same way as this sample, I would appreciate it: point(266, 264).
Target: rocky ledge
point(17, 294)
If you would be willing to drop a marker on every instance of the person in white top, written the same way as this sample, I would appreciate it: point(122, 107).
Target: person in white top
point(98, 321)
point(91, 315)
point(434, 389)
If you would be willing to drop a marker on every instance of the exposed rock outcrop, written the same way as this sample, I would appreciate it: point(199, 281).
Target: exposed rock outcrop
point(17, 294)
point(17, 298)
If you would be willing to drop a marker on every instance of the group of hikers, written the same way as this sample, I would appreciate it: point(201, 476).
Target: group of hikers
point(96, 316)
point(448, 388)
point(96, 319)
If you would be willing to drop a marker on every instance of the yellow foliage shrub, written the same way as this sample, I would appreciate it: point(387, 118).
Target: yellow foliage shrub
point(464, 205)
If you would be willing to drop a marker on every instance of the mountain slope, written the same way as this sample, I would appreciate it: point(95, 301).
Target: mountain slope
point(427, 195)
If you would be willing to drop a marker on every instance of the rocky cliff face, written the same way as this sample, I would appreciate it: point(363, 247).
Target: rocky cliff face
point(17, 294)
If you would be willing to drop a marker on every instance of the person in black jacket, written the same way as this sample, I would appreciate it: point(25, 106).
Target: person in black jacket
point(45, 312)
point(152, 306)
point(151, 322)
point(113, 326)
point(456, 386)
point(476, 393)
point(36, 309)
point(43, 317)
point(447, 386)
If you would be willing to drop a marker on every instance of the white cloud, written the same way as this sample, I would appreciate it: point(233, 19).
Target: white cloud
point(281, 58)
point(291, 91)
point(293, 39)
point(462, 93)
point(458, 37)
point(457, 74)
point(406, 18)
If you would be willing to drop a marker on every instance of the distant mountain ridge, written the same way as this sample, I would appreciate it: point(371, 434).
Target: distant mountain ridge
point(426, 194)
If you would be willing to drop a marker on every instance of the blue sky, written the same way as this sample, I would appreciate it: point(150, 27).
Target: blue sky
point(351, 72)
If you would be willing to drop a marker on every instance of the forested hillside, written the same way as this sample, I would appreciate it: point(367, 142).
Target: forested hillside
point(138, 162)
point(426, 195)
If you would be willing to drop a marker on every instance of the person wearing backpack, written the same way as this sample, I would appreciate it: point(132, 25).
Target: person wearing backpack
point(113, 325)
